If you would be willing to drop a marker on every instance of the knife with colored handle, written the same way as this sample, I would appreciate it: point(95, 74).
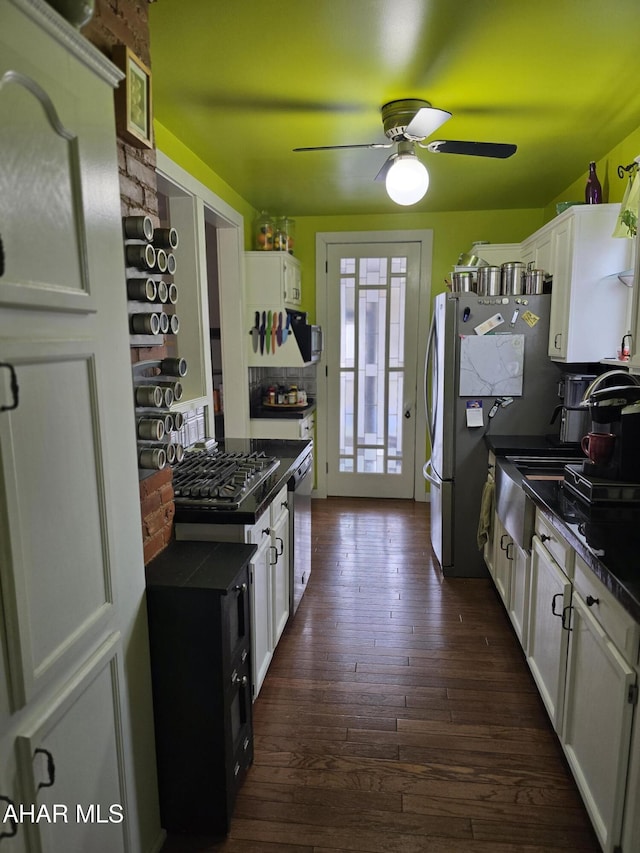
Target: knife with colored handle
point(287, 329)
point(255, 332)
point(279, 332)
point(269, 322)
point(274, 332)
point(262, 331)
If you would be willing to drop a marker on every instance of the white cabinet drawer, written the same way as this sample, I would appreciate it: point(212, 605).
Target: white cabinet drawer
point(279, 506)
point(609, 613)
point(555, 544)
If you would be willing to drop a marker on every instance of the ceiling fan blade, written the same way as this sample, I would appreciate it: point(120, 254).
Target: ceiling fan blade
point(388, 163)
point(425, 122)
point(501, 150)
point(336, 147)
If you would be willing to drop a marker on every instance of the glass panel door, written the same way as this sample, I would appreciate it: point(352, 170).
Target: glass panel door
point(373, 297)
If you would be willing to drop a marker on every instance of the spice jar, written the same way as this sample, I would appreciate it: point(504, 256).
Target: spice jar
point(293, 395)
point(263, 232)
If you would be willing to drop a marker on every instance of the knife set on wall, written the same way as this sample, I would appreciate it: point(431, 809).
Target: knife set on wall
point(270, 330)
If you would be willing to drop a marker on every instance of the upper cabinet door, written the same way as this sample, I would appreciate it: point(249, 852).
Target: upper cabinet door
point(69, 501)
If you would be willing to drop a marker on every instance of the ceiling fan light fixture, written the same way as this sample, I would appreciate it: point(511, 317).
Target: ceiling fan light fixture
point(407, 181)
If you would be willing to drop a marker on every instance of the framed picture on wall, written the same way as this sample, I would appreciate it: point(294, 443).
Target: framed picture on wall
point(133, 99)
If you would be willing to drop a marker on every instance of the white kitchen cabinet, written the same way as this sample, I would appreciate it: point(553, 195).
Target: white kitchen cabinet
point(293, 428)
point(598, 713)
point(280, 558)
point(547, 639)
point(72, 580)
point(589, 305)
point(502, 560)
point(634, 321)
point(273, 280)
point(518, 604)
point(496, 254)
point(259, 579)
point(83, 720)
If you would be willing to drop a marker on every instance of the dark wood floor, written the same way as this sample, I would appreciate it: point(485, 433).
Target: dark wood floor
point(399, 714)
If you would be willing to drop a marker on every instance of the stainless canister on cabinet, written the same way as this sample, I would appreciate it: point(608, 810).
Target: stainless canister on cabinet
point(534, 281)
point(489, 281)
point(512, 278)
point(463, 282)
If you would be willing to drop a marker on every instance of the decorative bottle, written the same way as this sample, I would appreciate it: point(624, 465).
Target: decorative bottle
point(593, 190)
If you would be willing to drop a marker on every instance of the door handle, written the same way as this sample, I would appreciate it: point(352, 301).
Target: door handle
point(407, 413)
point(14, 387)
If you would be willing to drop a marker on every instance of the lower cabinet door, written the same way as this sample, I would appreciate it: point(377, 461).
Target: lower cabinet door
point(68, 761)
point(519, 594)
point(597, 722)
point(280, 577)
point(547, 643)
point(261, 644)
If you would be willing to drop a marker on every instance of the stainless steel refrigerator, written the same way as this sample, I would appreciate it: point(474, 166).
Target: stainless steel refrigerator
point(504, 382)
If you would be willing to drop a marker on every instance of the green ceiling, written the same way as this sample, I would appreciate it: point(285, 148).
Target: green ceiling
point(242, 82)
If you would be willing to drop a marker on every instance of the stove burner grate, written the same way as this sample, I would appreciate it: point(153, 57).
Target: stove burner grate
point(220, 480)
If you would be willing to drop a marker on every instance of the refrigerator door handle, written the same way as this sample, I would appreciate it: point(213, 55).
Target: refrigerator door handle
point(428, 475)
point(430, 364)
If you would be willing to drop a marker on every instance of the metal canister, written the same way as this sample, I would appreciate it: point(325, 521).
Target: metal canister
point(512, 279)
point(534, 281)
point(462, 282)
point(489, 281)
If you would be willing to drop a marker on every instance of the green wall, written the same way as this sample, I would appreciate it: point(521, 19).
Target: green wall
point(613, 187)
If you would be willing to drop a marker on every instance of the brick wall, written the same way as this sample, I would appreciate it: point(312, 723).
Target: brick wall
point(126, 22)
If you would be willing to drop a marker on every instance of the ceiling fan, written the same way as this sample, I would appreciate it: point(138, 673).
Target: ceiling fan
point(406, 123)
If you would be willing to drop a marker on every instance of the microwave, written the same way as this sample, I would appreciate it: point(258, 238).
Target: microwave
point(308, 336)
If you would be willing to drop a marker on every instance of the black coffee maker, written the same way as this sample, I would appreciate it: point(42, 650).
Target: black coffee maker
point(617, 410)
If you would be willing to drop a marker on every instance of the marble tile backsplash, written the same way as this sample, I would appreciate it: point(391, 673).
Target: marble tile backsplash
point(260, 378)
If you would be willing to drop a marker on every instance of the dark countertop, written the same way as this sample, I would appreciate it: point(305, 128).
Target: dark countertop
point(290, 452)
point(536, 445)
point(606, 537)
point(286, 412)
point(199, 565)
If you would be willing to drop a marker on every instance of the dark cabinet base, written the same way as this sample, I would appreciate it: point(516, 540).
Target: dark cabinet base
point(200, 645)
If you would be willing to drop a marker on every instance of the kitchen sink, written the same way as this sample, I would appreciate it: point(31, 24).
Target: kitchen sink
point(515, 510)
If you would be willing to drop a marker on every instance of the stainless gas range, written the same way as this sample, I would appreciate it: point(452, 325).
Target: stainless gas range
point(220, 480)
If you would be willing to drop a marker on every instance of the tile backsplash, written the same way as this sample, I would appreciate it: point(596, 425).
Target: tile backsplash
point(260, 378)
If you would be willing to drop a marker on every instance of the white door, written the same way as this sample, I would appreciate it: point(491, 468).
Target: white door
point(371, 359)
point(71, 560)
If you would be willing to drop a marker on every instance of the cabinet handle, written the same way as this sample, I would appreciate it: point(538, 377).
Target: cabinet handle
point(591, 601)
point(509, 552)
point(566, 618)
point(14, 393)
point(266, 531)
point(504, 547)
point(556, 339)
point(544, 537)
point(275, 554)
point(236, 769)
point(284, 504)
point(240, 587)
point(281, 551)
point(553, 603)
point(13, 822)
point(51, 769)
point(236, 679)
